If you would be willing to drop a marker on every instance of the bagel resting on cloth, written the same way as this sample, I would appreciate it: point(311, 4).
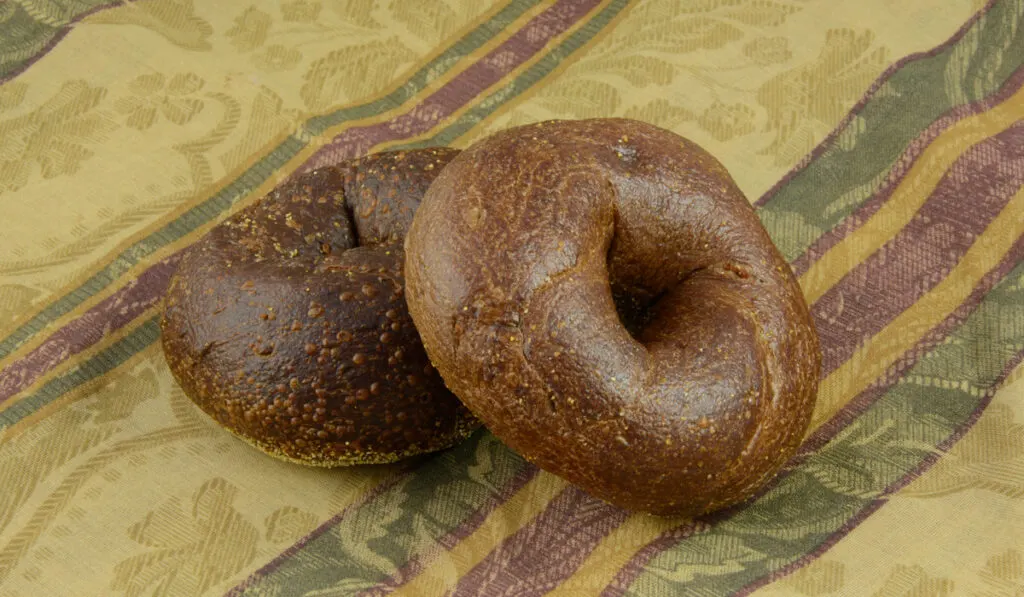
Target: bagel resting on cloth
point(603, 297)
point(287, 323)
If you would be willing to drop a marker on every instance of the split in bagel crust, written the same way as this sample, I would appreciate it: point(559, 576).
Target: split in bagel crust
point(603, 297)
point(287, 323)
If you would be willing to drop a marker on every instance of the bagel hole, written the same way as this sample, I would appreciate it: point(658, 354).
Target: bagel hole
point(635, 308)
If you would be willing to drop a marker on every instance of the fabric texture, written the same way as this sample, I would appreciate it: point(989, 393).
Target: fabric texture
point(882, 143)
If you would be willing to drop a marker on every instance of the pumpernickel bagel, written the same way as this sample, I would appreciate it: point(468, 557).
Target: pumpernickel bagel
point(601, 294)
point(287, 323)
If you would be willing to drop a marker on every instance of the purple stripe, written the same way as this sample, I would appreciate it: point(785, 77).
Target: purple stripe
point(57, 37)
point(899, 171)
point(106, 317)
point(505, 569)
point(419, 562)
point(464, 87)
point(285, 555)
point(638, 563)
point(536, 558)
point(408, 127)
point(855, 407)
point(868, 96)
point(628, 574)
point(469, 83)
point(881, 288)
point(922, 254)
point(135, 298)
point(927, 463)
point(68, 345)
point(852, 523)
point(79, 335)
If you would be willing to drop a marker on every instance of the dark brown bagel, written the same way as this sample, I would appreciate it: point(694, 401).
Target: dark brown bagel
point(287, 322)
point(604, 298)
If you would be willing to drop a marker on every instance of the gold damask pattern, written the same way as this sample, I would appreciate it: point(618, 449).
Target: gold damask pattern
point(55, 138)
point(153, 94)
point(201, 508)
point(202, 119)
point(938, 506)
point(758, 83)
point(117, 485)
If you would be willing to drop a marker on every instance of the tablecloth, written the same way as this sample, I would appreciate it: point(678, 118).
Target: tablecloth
point(882, 142)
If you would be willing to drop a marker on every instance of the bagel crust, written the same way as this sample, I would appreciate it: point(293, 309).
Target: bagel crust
point(287, 323)
point(603, 297)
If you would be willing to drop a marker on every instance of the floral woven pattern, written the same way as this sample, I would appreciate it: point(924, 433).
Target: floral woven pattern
point(882, 143)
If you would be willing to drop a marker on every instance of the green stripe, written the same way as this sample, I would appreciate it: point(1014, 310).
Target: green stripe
point(446, 490)
point(17, 412)
point(880, 448)
point(850, 171)
point(338, 560)
point(525, 81)
point(23, 35)
point(105, 361)
point(406, 520)
point(257, 174)
point(411, 518)
point(795, 212)
point(426, 505)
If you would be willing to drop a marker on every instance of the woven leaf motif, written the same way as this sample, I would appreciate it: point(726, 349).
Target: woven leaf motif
point(805, 102)
point(7, 11)
point(15, 300)
point(56, 13)
point(724, 558)
point(55, 137)
point(430, 21)
point(11, 95)
point(191, 547)
point(267, 119)
point(289, 524)
point(277, 58)
point(34, 459)
point(763, 13)
point(174, 20)
point(118, 399)
point(727, 121)
point(358, 12)
point(824, 578)
point(354, 72)
point(153, 94)
point(996, 443)
point(640, 70)
point(694, 34)
point(250, 30)
point(673, 44)
point(791, 231)
point(911, 581)
point(1004, 573)
point(768, 50)
point(588, 97)
point(300, 11)
point(366, 529)
point(667, 115)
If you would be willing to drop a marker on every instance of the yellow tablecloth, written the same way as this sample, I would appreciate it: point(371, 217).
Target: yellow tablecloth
point(883, 142)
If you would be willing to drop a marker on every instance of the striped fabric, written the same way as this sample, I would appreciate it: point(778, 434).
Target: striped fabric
point(903, 217)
